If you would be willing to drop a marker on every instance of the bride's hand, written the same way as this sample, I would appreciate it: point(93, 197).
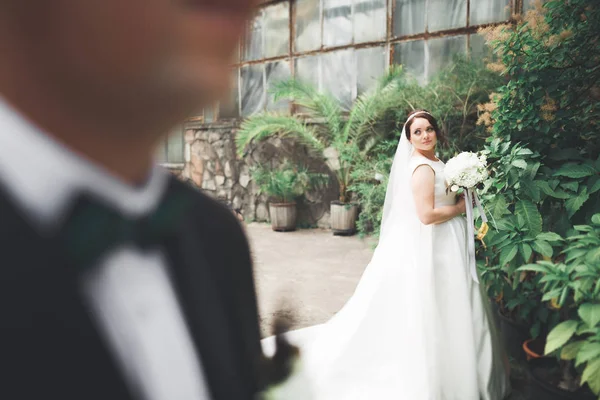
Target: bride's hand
point(460, 205)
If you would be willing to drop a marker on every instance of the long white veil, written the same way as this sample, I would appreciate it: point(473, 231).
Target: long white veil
point(398, 184)
point(381, 344)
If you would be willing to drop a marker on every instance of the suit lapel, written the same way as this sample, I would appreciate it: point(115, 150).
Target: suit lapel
point(48, 337)
point(198, 287)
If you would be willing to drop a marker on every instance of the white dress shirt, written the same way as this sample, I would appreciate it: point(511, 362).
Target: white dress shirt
point(129, 291)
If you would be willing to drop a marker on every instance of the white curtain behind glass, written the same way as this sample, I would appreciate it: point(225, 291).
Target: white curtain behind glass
point(370, 20)
point(337, 22)
point(277, 29)
point(308, 25)
point(409, 17)
point(446, 14)
point(486, 11)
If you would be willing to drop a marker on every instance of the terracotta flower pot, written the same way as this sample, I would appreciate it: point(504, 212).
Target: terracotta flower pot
point(534, 348)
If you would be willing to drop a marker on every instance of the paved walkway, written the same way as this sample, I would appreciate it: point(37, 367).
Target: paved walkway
point(313, 271)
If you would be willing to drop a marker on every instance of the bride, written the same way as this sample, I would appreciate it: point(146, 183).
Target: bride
point(418, 327)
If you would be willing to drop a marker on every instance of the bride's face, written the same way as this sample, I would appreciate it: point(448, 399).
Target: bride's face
point(422, 135)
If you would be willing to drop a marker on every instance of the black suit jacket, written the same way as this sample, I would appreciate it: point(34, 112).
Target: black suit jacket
point(50, 347)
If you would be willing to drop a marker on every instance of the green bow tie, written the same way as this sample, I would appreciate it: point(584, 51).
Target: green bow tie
point(94, 228)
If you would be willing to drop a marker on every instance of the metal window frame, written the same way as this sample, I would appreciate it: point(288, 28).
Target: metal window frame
point(516, 9)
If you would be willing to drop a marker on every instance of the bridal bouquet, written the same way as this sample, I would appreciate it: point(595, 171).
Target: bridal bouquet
point(466, 171)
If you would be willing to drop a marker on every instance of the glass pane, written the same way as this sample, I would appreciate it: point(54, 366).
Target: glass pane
point(338, 75)
point(370, 20)
point(277, 29)
point(446, 14)
point(409, 17)
point(337, 22)
point(209, 114)
point(253, 89)
point(530, 4)
point(253, 45)
point(480, 51)
point(276, 72)
point(229, 107)
point(175, 145)
point(307, 69)
point(483, 12)
point(370, 65)
point(161, 152)
point(411, 55)
point(308, 25)
point(442, 51)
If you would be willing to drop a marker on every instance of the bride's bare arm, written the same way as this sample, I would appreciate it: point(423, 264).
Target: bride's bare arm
point(423, 181)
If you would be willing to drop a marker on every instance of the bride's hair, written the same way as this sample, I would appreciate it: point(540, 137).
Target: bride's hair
point(424, 114)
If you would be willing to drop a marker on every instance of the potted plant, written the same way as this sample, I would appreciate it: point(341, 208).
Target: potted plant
point(283, 185)
point(573, 286)
point(336, 135)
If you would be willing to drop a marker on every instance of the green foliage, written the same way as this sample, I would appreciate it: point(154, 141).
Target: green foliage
point(452, 96)
point(544, 148)
point(370, 177)
point(573, 286)
point(287, 182)
point(350, 135)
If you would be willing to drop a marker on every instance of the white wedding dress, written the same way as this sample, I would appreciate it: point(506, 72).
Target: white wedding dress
point(417, 327)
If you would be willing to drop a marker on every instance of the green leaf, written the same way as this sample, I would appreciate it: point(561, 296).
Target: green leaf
point(588, 351)
point(552, 294)
point(525, 251)
point(522, 164)
point(508, 254)
point(549, 237)
point(560, 335)
point(529, 216)
point(591, 375)
point(535, 268)
point(543, 248)
point(524, 152)
point(569, 352)
point(498, 207)
point(593, 256)
point(572, 170)
point(547, 190)
point(590, 314)
point(572, 186)
point(596, 219)
point(575, 203)
point(504, 225)
point(529, 189)
point(595, 186)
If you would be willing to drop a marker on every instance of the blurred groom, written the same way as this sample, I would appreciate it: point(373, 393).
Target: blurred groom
point(117, 282)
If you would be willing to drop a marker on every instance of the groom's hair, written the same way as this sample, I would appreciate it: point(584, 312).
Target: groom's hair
point(427, 115)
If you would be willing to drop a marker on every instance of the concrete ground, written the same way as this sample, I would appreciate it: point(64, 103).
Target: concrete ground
point(312, 271)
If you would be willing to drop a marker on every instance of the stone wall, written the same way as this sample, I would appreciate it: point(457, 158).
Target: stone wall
point(212, 165)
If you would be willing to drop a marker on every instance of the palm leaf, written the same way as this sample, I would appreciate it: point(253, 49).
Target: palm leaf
point(263, 126)
point(320, 105)
point(371, 105)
